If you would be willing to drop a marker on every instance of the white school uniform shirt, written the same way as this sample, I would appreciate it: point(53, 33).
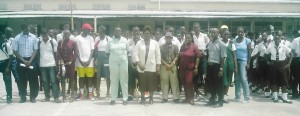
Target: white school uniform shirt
point(261, 48)
point(153, 58)
point(102, 43)
point(283, 51)
point(295, 45)
point(85, 45)
point(4, 53)
point(132, 46)
point(201, 41)
point(46, 53)
point(61, 37)
point(175, 41)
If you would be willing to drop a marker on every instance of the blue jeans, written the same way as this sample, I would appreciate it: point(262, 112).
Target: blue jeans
point(14, 71)
point(241, 80)
point(48, 76)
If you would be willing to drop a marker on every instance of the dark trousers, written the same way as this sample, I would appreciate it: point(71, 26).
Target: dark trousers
point(15, 72)
point(199, 77)
point(6, 78)
point(216, 84)
point(188, 85)
point(295, 72)
point(48, 76)
point(26, 74)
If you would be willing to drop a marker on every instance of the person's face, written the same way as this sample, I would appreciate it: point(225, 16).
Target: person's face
point(51, 33)
point(182, 30)
point(226, 35)
point(215, 34)
point(136, 32)
point(196, 28)
point(118, 32)
point(147, 35)
point(169, 39)
point(188, 39)
point(66, 34)
point(171, 29)
point(67, 27)
point(25, 30)
point(44, 36)
point(264, 36)
point(8, 33)
point(100, 31)
point(240, 32)
point(277, 38)
point(157, 34)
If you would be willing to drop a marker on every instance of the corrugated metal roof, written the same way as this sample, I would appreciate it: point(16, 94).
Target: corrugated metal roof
point(108, 14)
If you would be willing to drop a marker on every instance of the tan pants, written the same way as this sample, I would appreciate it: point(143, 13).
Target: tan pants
point(169, 77)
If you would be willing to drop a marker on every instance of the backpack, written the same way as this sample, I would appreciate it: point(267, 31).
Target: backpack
point(37, 56)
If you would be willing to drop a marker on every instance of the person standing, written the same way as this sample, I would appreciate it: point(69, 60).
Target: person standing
point(102, 66)
point(6, 55)
point(280, 59)
point(67, 53)
point(148, 59)
point(25, 47)
point(243, 50)
point(47, 56)
point(295, 66)
point(216, 57)
point(169, 54)
point(188, 67)
point(85, 62)
point(117, 50)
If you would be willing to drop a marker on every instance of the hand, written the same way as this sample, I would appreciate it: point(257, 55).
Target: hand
point(157, 70)
point(220, 74)
point(168, 67)
point(27, 63)
point(142, 67)
point(68, 63)
point(247, 67)
point(7, 71)
point(286, 66)
point(235, 71)
point(196, 71)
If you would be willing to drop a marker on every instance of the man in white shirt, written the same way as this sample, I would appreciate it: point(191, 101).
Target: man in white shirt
point(175, 40)
point(201, 40)
point(85, 62)
point(6, 55)
point(295, 66)
point(60, 36)
point(47, 52)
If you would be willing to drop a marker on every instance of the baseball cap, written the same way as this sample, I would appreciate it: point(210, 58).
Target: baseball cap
point(87, 26)
point(169, 34)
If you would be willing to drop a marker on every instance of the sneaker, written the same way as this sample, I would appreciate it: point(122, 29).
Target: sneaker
point(46, 100)
point(80, 97)
point(57, 100)
point(91, 97)
point(112, 102)
point(237, 99)
point(246, 101)
point(176, 100)
point(33, 101)
point(129, 98)
point(287, 101)
point(125, 103)
point(210, 103)
point(164, 101)
point(275, 100)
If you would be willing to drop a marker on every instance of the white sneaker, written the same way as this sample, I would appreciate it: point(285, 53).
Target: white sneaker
point(259, 91)
point(4, 97)
point(245, 101)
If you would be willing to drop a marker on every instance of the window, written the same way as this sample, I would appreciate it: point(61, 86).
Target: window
point(101, 7)
point(66, 7)
point(136, 7)
point(32, 7)
point(3, 6)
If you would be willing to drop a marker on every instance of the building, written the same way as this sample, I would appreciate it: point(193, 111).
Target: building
point(253, 14)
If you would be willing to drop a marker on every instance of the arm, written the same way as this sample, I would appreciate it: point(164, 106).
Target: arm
point(235, 62)
point(7, 70)
point(249, 55)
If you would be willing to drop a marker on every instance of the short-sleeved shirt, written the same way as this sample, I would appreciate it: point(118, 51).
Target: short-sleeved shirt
point(295, 45)
point(175, 41)
point(216, 51)
point(242, 49)
point(187, 56)
point(118, 49)
point(5, 51)
point(85, 45)
point(47, 58)
point(201, 41)
point(168, 52)
point(102, 43)
point(233, 48)
point(25, 45)
point(261, 48)
point(66, 50)
point(283, 51)
point(61, 37)
point(132, 46)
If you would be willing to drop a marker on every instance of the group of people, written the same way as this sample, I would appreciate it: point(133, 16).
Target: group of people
point(150, 61)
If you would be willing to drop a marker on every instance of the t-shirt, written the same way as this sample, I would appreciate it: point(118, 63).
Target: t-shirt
point(5, 51)
point(242, 49)
point(85, 45)
point(102, 43)
point(46, 53)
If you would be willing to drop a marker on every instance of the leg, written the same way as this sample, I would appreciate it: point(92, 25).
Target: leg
point(34, 84)
point(53, 81)
point(238, 82)
point(164, 82)
point(8, 87)
point(123, 75)
point(244, 80)
point(174, 84)
point(114, 74)
point(44, 76)
point(22, 82)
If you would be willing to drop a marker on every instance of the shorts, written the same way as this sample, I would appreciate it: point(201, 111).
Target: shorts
point(85, 72)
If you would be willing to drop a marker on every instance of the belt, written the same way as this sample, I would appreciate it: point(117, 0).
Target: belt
point(212, 63)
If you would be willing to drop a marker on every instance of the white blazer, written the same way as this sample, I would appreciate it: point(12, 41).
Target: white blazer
point(153, 55)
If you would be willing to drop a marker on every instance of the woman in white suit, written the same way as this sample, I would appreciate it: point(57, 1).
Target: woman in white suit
point(148, 59)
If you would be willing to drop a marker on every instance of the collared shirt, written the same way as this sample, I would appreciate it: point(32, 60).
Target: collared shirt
point(283, 52)
point(261, 48)
point(286, 43)
point(132, 46)
point(102, 43)
point(85, 45)
point(66, 50)
point(61, 37)
point(118, 49)
point(175, 41)
point(25, 45)
point(201, 41)
point(187, 56)
point(168, 52)
point(295, 45)
point(5, 51)
point(216, 51)
point(47, 58)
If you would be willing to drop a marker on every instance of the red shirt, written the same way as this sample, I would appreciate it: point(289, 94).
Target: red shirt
point(67, 50)
point(187, 56)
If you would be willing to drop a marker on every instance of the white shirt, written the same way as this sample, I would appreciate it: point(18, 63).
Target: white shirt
point(61, 37)
point(46, 53)
point(286, 43)
point(233, 48)
point(261, 48)
point(270, 38)
point(153, 58)
point(85, 45)
point(102, 43)
point(201, 41)
point(175, 41)
point(295, 45)
point(283, 51)
point(3, 54)
point(132, 46)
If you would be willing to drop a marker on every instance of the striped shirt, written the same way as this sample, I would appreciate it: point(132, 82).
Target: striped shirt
point(25, 45)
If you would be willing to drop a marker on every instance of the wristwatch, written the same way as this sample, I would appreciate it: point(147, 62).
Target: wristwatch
point(221, 68)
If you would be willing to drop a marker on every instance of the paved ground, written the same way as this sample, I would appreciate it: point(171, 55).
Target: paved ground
point(258, 106)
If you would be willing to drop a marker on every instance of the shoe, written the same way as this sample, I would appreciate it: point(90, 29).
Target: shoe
point(22, 100)
point(210, 103)
point(46, 100)
point(33, 101)
point(287, 101)
point(185, 101)
point(164, 101)
point(57, 100)
point(218, 106)
point(225, 101)
point(129, 98)
point(176, 100)
point(8, 101)
point(91, 97)
point(142, 102)
point(151, 102)
point(275, 100)
point(237, 99)
point(80, 97)
point(192, 102)
point(112, 102)
point(246, 101)
point(125, 103)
